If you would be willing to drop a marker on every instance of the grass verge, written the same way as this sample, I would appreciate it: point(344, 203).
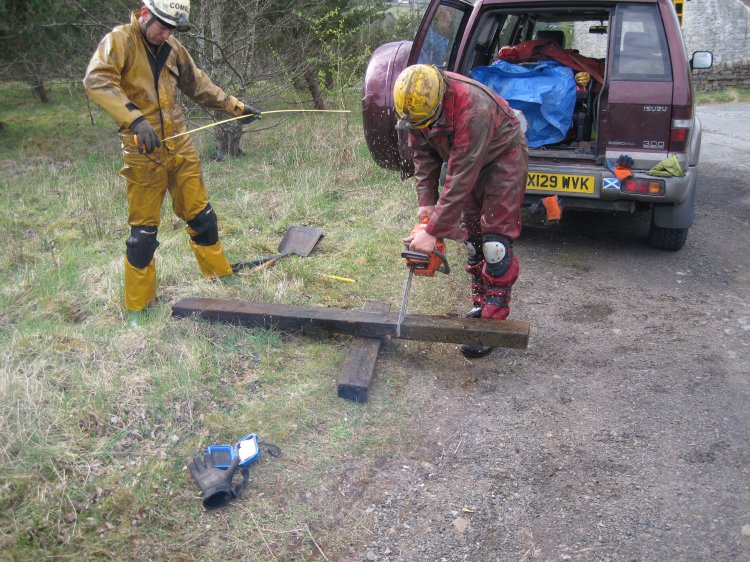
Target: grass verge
point(730, 95)
point(97, 420)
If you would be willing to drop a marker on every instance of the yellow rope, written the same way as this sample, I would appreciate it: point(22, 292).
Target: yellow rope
point(262, 113)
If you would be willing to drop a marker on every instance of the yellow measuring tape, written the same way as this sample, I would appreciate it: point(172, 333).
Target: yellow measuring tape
point(337, 278)
point(262, 113)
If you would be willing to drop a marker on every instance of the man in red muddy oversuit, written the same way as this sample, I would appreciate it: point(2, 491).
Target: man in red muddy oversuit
point(455, 120)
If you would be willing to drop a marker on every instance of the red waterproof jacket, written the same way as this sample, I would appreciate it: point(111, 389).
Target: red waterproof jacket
point(480, 137)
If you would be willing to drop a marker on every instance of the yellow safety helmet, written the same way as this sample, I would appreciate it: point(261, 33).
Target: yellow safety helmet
point(418, 95)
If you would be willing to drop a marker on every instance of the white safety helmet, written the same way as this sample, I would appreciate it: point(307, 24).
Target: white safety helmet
point(174, 13)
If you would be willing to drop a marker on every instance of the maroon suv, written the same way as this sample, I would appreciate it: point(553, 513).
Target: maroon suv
point(637, 103)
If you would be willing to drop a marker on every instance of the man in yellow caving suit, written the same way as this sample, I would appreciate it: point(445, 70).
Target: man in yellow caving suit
point(134, 75)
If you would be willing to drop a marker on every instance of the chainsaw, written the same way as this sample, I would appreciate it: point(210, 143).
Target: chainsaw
point(421, 265)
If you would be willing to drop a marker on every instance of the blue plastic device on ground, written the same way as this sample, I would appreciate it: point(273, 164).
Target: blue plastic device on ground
point(247, 448)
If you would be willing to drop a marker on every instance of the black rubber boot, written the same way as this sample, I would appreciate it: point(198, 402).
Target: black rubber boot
point(475, 351)
point(474, 312)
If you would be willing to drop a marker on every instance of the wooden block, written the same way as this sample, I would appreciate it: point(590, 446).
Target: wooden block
point(359, 365)
point(499, 333)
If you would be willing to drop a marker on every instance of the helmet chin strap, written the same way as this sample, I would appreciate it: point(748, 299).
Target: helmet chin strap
point(146, 24)
point(149, 22)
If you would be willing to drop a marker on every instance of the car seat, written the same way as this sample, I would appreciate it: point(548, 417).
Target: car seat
point(552, 34)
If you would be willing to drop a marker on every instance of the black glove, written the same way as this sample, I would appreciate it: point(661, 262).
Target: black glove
point(625, 161)
point(148, 141)
point(251, 112)
point(215, 483)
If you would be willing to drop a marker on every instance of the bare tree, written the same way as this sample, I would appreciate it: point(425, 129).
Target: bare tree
point(226, 36)
point(44, 40)
point(257, 50)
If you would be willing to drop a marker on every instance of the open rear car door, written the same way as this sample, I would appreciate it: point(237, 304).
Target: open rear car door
point(436, 43)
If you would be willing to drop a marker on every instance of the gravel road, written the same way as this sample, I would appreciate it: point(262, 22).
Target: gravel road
point(622, 432)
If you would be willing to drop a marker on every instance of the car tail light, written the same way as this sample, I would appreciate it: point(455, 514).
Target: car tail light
point(643, 186)
point(682, 120)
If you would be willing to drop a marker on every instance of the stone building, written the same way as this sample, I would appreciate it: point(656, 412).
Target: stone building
point(722, 27)
point(719, 26)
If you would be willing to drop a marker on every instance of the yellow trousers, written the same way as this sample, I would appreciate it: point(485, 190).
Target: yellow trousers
point(173, 167)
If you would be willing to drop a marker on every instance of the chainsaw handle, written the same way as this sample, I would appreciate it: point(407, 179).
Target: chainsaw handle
point(420, 257)
point(445, 268)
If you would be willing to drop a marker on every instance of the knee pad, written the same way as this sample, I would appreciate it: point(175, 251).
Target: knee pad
point(498, 254)
point(141, 245)
point(496, 304)
point(205, 226)
point(474, 250)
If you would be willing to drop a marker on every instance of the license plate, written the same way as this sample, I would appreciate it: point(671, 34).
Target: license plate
point(560, 183)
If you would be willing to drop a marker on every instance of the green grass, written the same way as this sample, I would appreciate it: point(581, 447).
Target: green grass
point(97, 420)
point(730, 95)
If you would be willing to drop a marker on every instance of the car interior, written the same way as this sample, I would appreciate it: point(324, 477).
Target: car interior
point(583, 32)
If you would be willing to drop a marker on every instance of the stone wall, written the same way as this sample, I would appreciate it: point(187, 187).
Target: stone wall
point(719, 26)
point(723, 75)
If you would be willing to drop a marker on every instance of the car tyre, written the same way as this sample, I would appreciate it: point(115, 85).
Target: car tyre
point(672, 239)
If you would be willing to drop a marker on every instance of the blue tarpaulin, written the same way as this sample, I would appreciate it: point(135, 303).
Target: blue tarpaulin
point(544, 91)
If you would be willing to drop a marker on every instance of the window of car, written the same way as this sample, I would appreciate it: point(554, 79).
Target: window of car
point(584, 33)
point(584, 30)
point(495, 30)
point(640, 45)
point(510, 23)
point(441, 37)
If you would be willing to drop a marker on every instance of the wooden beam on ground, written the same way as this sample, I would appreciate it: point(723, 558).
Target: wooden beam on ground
point(359, 365)
point(499, 333)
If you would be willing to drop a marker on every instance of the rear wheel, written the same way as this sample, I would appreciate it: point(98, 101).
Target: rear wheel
point(667, 238)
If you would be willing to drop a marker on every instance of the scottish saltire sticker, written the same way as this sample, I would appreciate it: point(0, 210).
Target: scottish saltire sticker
point(610, 183)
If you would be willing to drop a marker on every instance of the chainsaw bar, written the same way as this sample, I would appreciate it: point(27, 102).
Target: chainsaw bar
point(404, 301)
